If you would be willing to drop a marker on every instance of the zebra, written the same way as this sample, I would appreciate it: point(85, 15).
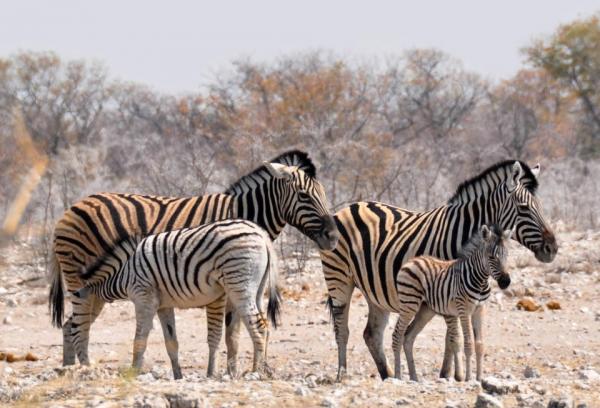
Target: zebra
point(377, 239)
point(191, 267)
point(282, 191)
point(452, 288)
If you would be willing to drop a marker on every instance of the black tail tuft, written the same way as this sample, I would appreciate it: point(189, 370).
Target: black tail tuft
point(56, 297)
point(329, 306)
point(274, 307)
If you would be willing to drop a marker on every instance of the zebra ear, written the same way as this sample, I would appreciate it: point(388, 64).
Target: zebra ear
point(508, 233)
point(485, 232)
point(535, 170)
point(514, 178)
point(280, 171)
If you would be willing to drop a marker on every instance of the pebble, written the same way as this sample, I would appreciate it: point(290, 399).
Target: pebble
point(7, 320)
point(498, 386)
point(179, 400)
point(302, 391)
point(531, 372)
point(328, 402)
point(11, 303)
point(148, 377)
point(562, 402)
point(589, 374)
point(487, 401)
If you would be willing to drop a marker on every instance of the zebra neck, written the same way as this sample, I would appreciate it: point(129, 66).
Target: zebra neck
point(472, 274)
point(261, 203)
point(468, 216)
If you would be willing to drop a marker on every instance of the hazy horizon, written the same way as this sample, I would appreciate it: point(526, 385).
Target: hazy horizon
point(180, 47)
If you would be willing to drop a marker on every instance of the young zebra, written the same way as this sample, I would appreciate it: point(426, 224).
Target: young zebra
point(452, 288)
point(192, 267)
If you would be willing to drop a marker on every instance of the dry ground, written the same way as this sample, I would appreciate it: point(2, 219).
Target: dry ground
point(563, 346)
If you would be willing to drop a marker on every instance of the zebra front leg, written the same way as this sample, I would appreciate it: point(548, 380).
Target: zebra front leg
point(167, 321)
point(232, 337)
point(423, 316)
point(373, 336)
point(467, 328)
point(69, 355)
point(146, 306)
point(453, 363)
point(214, 319)
point(478, 333)
point(340, 298)
point(85, 311)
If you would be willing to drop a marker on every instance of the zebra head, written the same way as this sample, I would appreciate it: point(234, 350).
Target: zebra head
point(496, 252)
point(523, 211)
point(304, 204)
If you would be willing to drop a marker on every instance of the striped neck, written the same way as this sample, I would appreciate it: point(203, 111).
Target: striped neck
point(261, 202)
point(472, 274)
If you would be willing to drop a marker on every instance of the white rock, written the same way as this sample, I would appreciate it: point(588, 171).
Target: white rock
point(487, 401)
point(562, 402)
point(328, 402)
point(589, 374)
point(7, 320)
point(302, 391)
point(2, 290)
point(499, 386)
point(148, 377)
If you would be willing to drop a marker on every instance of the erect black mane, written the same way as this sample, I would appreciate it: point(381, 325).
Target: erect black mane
point(289, 158)
point(527, 178)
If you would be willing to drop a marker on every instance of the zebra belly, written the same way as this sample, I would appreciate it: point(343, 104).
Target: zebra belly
point(190, 301)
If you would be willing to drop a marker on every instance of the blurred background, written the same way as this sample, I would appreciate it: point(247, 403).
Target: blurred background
point(397, 105)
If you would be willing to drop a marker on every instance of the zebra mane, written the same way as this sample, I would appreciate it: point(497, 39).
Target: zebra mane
point(90, 271)
point(501, 170)
point(289, 158)
point(476, 241)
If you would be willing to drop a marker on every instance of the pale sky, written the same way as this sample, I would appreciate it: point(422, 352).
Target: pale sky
point(177, 46)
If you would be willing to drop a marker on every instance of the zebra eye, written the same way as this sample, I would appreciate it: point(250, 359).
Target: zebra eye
point(523, 208)
point(303, 195)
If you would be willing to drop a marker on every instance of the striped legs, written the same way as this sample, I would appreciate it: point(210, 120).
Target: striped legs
point(232, 338)
point(69, 355)
point(214, 320)
point(340, 294)
point(85, 311)
point(453, 349)
point(373, 336)
point(478, 332)
point(167, 321)
point(146, 306)
point(406, 314)
point(467, 327)
point(423, 316)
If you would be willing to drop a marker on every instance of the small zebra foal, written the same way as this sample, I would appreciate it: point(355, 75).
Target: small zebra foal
point(193, 267)
point(452, 288)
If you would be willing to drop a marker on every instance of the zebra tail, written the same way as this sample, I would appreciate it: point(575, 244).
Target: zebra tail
point(56, 297)
point(329, 306)
point(274, 305)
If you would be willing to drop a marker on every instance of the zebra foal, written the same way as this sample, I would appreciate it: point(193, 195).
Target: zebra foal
point(452, 288)
point(194, 267)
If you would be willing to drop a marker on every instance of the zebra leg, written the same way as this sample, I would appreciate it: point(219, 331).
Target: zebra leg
point(69, 355)
point(146, 306)
point(452, 364)
point(373, 336)
point(340, 298)
point(423, 316)
point(467, 328)
point(85, 311)
point(406, 313)
point(478, 333)
point(255, 323)
point(214, 321)
point(232, 337)
point(167, 321)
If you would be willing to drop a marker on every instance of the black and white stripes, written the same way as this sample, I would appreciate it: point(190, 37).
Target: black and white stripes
point(187, 268)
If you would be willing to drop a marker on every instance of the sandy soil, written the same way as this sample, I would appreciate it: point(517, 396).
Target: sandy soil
point(561, 347)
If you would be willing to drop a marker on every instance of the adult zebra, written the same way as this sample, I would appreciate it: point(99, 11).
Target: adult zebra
point(283, 191)
point(377, 239)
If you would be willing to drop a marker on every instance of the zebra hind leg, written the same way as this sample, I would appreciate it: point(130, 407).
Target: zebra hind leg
point(423, 316)
point(69, 355)
point(373, 336)
point(340, 298)
point(214, 320)
point(167, 321)
point(85, 312)
point(232, 338)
